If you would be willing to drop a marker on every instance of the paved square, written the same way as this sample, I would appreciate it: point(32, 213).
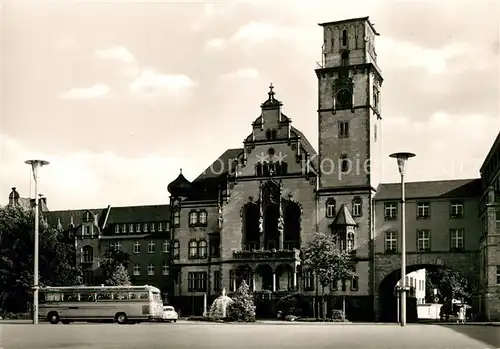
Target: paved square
point(230, 336)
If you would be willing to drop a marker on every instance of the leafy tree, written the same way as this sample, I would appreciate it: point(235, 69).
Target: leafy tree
point(449, 283)
point(329, 263)
point(242, 308)
point(111, 260)
point(56, 258)
point(119, 277)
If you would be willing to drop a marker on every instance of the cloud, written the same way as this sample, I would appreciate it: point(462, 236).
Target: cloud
point(216, 43)
point(243, 73)
point(93, 179)
point(409, 55)
point(150, 82)
point(96, 91)
point(118, 53)
point(66, 43)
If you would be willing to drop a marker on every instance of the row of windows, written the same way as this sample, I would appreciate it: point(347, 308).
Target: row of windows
point(424, 240)
point(412, 282)
point(423, 210)
point(136, 269)
point(267, 169)
point(308, 279)
point(142, 227)
point(356, 211)
point(88, 296)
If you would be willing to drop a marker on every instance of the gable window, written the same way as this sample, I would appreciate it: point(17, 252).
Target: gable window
point(457, 239)
point(330, 208)
point(137, 247)
point(423, 210)
point(137, 270)
point(176, 250)
point(390, 210)
point(87, 231)
point(151, 246)
point(152, 227)
point(424, 240)
point(456, 210)
point(343, 129)
point(193, 249)
point(166, 246)
point(203, 217)
point(193, 218)
point(308, 280)
point(151, 269)
point(177, 219)
point(131, 228)
point(160, 226)
point(124, 228)
point(138, 227)
point(202, 249)
point(117, 228)
point(164, 269)
point(391, 242)
point(344, 163)
point(357, 207)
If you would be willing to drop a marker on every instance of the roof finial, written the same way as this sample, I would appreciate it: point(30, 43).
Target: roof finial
point(181, 171)
point(271, 92)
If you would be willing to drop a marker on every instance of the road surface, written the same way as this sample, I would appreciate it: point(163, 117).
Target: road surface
point(229, 336)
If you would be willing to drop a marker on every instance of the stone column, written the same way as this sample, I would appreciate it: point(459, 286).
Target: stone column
point(253, 283)
point(294, 278)
point(274, 281)
point(205, 304)
point(234, 283)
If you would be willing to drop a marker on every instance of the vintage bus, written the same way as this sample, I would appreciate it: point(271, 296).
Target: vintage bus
point(123, 304)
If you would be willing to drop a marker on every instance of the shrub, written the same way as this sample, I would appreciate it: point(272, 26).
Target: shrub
point(338, 316)
point(292, 304)
point(242, 308)
point(17, 316)
point(216, 310)
point(201, 318)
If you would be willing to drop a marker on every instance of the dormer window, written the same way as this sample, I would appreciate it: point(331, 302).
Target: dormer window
point(145, 227)
point(117, 228)
point(124, 228)
point(152, 227)
point(160, 226)
point(138, 227)
point(131, 228)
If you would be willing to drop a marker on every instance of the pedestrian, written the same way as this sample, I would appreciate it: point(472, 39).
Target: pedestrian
point(461, 314)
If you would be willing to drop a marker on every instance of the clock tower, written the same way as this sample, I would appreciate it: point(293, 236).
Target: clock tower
point(349, 116)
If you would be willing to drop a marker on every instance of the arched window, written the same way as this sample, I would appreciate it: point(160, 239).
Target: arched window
point(176, 250)
point(330, 208)
point(87, 254)
point(193, 218)
point(202, 249)
point(344, 37)
point(202, 217)
point(193, 249)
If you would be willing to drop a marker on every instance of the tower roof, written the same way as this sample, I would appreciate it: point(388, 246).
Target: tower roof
point(14, 194)
point(179, 186)
point(271, 101)
point(344, 218)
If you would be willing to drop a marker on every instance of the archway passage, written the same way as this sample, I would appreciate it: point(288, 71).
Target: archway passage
point(451, 284)
point(271, 234)
point(292, 218)
point(251, 233)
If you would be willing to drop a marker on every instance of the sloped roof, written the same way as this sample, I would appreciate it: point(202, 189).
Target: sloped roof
point(139, 214)
point(220, 165)
point(458, 188)
point(65, 216)
point(344, 218)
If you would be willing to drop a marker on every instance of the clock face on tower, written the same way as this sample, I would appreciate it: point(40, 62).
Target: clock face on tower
point(344, 99)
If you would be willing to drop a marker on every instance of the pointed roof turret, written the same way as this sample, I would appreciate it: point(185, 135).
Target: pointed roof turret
point(179, 186)
point(14, 194)
point(344, 218)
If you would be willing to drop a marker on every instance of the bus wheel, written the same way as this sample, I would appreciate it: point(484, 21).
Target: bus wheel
point(121, 318)
point(53, 318)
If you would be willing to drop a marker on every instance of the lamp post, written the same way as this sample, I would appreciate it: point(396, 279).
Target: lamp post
point(35, 164)
point(402, 158)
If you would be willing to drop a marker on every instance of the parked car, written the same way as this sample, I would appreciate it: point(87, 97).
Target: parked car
point(169, 314)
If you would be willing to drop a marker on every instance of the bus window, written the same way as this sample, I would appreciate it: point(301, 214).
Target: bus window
point(51, 297)
point(156, 296)
point(87, 297)
point(143, 295)
point(105, 296)
point(121, 295)
point(72, 297)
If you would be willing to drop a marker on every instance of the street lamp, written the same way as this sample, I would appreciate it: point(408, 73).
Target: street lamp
point(402, 158)
point(35, 164)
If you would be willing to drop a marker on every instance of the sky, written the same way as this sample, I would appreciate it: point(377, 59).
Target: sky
point(119, 95)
